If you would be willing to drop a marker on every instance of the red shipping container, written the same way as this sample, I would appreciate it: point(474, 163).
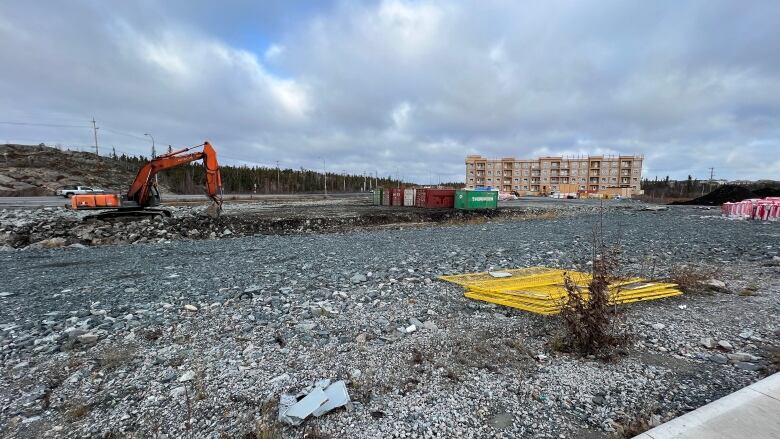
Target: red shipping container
point(396, 197)
point(435, 198)
point(419, 198)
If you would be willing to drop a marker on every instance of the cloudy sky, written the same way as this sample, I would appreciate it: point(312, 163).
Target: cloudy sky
point(402, 88)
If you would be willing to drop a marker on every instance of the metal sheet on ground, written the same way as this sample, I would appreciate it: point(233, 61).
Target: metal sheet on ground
point(541, 290)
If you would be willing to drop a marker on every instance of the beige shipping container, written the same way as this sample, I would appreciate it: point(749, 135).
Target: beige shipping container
point(409, 197)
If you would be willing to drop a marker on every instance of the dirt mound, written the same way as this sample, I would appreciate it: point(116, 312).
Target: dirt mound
point(767, 192)
point(728, 193)
point(28, 170)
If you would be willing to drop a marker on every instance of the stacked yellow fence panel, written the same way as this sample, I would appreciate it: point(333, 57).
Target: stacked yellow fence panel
point(541, 290)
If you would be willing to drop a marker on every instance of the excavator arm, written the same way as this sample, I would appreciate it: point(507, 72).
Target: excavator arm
point(140, 189)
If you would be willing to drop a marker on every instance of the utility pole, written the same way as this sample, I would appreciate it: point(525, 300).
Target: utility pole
point(94, 131)
point(364, 181)
point(325, 176)
point(709, 186)
point(344, 172)
point(277, 177)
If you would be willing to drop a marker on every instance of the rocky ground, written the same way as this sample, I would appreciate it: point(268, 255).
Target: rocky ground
point(200, 338)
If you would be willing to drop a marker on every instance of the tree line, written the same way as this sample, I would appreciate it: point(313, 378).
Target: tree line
point(188, 179)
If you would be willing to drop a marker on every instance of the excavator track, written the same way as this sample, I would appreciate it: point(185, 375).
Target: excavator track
point(129, 213)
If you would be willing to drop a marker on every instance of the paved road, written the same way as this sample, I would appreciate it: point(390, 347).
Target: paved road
point(39, 202)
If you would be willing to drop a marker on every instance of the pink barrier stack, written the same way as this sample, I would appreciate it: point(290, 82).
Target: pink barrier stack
point(764, 209)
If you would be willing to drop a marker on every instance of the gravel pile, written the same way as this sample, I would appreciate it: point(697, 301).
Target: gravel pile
point(60, 227)
point(203, 337)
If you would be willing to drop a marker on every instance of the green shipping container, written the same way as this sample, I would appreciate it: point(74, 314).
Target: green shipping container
point(377, 197)
point(469, 200)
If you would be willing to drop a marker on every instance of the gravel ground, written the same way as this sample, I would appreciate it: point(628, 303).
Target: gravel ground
point(200, 338)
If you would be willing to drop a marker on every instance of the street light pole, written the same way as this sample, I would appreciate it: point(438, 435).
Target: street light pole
point(154, 154)
point(344, 172)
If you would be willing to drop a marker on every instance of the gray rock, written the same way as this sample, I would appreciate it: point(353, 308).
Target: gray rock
point(178, 392)
point(708, 342)
point(167, 376)
point(719, 358)
point(747, 333)
point(724, 344)
point(741, 357)
point(187, 376)
point(658, 326)
point(501, 421)
point(358, 278)
point(88, 338)
point(748, 366)
point(715, 283)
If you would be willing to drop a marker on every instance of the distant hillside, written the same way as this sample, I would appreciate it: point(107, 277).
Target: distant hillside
point(27, 170)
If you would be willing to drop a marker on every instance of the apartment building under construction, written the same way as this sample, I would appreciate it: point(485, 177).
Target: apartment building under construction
point(614, 175)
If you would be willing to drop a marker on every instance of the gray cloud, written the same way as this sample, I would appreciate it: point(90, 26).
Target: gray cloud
point(402, 87)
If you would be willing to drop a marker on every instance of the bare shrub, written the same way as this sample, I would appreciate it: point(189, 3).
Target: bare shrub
point(632, 428)
point(76, 410)
point(589, 318)
point(691, 279)
point(116, 356)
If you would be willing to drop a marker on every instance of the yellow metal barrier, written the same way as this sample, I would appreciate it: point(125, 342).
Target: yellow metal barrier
point(541, 290)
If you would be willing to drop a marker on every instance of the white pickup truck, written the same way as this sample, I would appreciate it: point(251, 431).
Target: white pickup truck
point(67, 191)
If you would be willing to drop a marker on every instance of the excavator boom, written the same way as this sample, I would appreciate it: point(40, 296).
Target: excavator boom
point(143, 191)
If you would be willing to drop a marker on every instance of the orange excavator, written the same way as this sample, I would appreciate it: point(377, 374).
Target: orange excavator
point(143, 194)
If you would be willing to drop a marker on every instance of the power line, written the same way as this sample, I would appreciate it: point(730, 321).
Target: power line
point(124, 134)
point(44, 124)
